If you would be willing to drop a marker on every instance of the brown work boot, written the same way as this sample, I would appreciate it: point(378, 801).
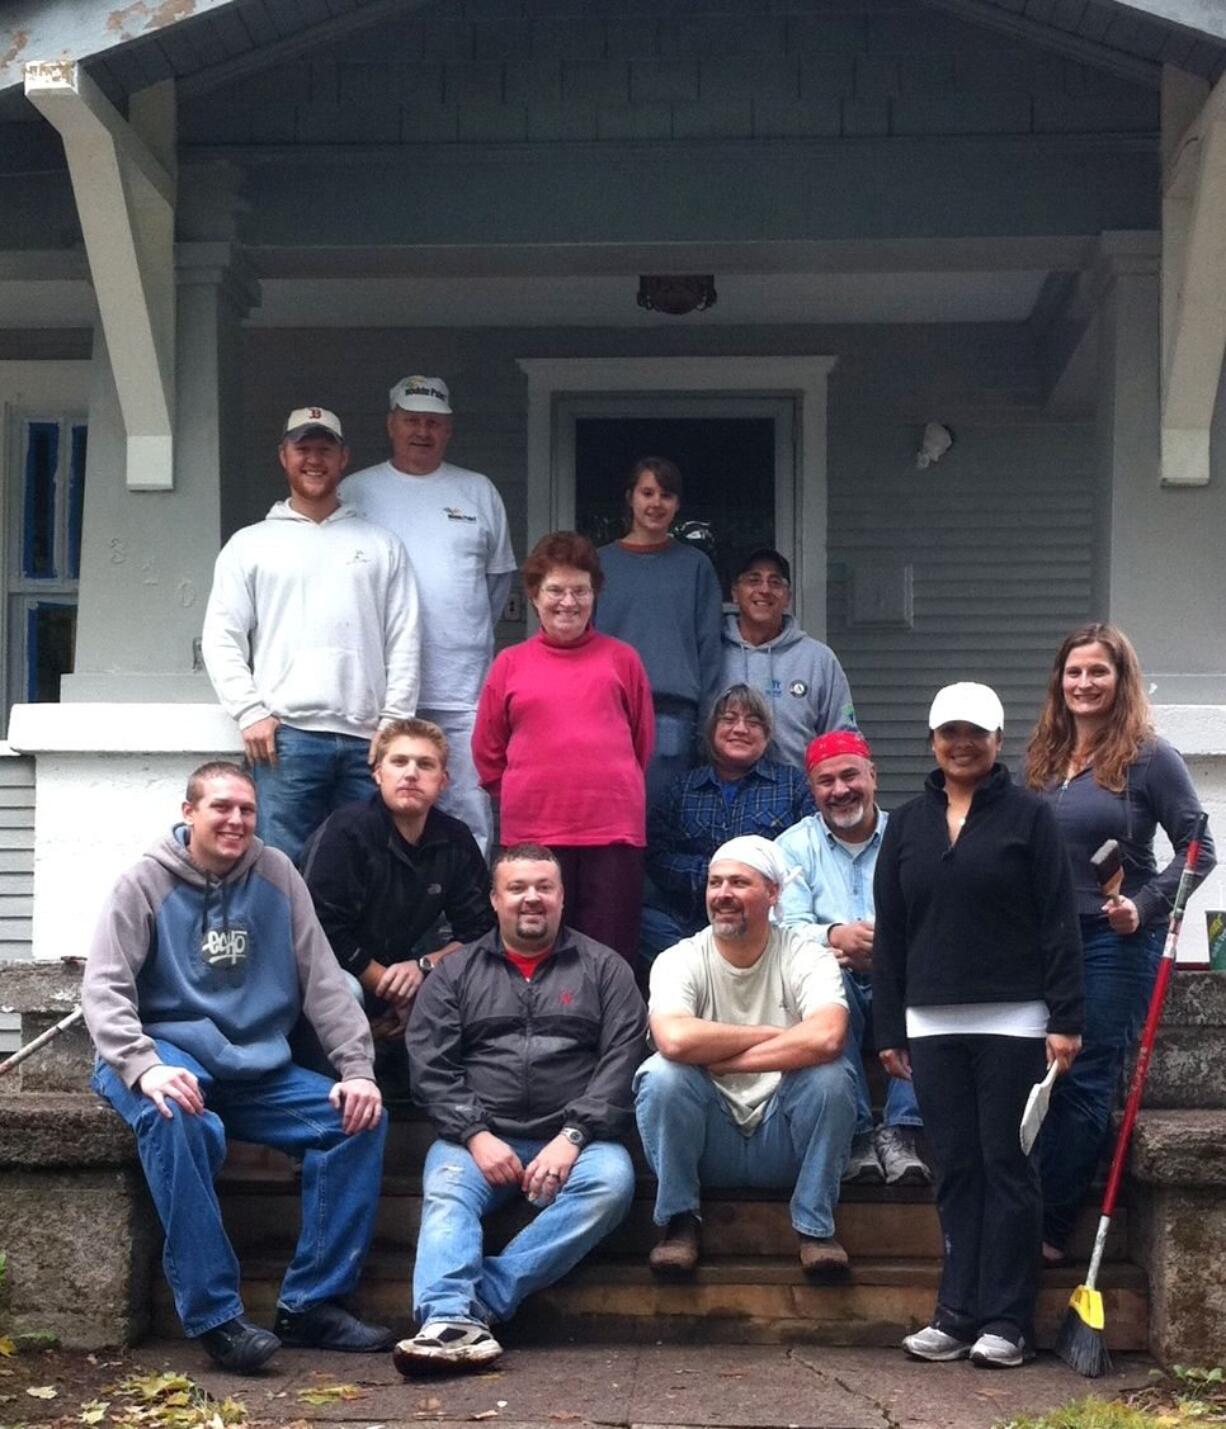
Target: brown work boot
point(677, 1250)
point(823, 1259)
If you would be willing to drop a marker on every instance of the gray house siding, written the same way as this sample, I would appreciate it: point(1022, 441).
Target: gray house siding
point(999, 534)
point(16, 872)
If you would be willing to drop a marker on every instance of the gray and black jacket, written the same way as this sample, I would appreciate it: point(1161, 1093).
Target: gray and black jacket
point(490, 1050)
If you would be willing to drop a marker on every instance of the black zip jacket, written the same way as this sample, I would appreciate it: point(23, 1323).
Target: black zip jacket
point(490, 1050)
point(990, 918)
point(376, 895)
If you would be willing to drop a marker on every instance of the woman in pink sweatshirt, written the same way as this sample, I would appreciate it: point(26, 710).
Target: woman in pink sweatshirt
point(563, 735)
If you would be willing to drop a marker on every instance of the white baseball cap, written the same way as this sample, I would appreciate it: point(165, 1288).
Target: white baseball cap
point(975, 704)
point(421, 394)
point(304, 420)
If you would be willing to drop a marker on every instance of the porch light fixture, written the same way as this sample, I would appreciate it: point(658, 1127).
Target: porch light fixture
point(676, 293)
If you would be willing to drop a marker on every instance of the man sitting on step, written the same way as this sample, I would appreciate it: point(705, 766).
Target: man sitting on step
point(522, 1047)
point(205, 955)
point(749, 1085)
point(833, 855)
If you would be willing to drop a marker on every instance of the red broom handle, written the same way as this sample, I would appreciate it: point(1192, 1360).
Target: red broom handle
point(1150, 1032)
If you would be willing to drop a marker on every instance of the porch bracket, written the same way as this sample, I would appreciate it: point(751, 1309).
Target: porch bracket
point(125, 198)
point(1193, 290)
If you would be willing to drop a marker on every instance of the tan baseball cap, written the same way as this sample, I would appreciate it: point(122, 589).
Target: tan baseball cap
point(303, 421)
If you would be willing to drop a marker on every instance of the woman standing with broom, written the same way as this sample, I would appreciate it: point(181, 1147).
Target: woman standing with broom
point(976, 987)
point(1095, 758)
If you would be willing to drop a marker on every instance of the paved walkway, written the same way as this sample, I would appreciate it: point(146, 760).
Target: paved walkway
point(753, 1387)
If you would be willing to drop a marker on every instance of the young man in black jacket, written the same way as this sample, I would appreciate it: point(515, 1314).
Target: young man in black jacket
point(382, 872)
point(522, 1048)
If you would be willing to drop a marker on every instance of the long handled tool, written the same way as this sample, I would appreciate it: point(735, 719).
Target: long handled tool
point(41, 1041)
point(1081, 1344)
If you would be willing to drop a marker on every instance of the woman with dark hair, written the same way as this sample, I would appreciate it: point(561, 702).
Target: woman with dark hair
point(563, 735)
point(976, 987)
point(663, 597)
point(1095, 758)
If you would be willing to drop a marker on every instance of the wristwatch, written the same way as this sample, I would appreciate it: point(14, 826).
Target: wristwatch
point(426, 963)
point(575, 1136)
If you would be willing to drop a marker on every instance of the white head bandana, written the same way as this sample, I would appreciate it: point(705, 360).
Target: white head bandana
point(761, 855)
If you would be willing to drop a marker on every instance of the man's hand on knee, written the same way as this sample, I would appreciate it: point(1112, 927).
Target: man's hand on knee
point(359, 1102)
point(495, 1159)
point(551, 1166)
point(162, 1083)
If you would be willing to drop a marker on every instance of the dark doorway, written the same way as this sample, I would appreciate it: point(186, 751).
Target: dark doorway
point(727, 466)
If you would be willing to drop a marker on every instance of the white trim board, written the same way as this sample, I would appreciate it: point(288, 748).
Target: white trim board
point(804, 379)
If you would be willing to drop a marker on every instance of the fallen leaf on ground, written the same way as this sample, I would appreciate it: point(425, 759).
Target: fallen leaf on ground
point(7, 1347)
point(93, 1411)
point(43, 1391)
point(330, 1393)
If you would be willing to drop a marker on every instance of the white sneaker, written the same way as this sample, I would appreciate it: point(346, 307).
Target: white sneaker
point(933, 1344)
point(441, 1344)
point(899, 1156)
point(995, 1352)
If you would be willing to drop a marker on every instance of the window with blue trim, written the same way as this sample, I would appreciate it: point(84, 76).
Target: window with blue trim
point(44, 553)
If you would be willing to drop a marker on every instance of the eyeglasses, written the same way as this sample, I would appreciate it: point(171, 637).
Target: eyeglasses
point(578, 593)
point(755, 580)
point(730, 721)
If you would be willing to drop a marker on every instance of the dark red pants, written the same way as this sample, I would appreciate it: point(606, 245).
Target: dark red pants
point(604, 894)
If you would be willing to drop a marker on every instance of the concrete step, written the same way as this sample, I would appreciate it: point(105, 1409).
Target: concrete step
point(730, 1300)
point(896, 1222)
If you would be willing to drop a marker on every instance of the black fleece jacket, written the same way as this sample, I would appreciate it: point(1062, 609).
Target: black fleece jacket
point(990, 918)
point(490, 1050)
point(376, 895)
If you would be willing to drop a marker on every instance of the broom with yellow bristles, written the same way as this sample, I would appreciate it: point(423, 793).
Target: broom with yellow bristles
point(1081, 1343)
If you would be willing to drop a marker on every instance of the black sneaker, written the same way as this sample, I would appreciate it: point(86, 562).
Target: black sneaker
point(239, 1346)
point(327, 1325)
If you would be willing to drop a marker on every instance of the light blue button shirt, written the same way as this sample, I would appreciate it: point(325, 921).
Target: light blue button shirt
point(834, 885)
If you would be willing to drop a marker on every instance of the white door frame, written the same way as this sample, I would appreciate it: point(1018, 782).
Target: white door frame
point(551, 494)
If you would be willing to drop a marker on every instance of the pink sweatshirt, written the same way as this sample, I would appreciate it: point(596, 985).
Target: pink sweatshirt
point(563, 735)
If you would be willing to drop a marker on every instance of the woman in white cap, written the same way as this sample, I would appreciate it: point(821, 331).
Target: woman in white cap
point(976, 988)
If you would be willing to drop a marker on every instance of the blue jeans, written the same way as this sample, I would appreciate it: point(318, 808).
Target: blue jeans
point(181, 1155)
point(453, 1278)
point(463, 798)
point(1119, 976)
point(660, 929)
point(690, 1139)
point(901, 1108)
point(672, 754)
point(314, 774)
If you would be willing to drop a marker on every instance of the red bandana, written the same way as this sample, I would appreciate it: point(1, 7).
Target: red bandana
point(838, 741)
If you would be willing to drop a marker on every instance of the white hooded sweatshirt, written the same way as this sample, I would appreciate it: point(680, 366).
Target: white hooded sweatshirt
point(315, 622)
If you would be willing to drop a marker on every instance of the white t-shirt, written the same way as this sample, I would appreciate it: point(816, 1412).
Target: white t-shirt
point(454, 527)
point(794, 977)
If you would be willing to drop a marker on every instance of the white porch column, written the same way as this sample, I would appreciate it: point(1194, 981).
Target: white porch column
point(147, 557)
point(138, 715)
point(1162, 577)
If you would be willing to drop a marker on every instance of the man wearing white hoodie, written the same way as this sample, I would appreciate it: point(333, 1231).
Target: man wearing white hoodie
point(311, 638)
point(800, 678)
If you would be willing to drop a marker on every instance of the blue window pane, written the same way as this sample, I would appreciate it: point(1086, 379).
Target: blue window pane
point(51, 630)
point(38, 535)
point(76, 500)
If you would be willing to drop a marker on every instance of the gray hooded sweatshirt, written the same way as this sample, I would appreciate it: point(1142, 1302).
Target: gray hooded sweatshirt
point(218, 967)
point(802, 681)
